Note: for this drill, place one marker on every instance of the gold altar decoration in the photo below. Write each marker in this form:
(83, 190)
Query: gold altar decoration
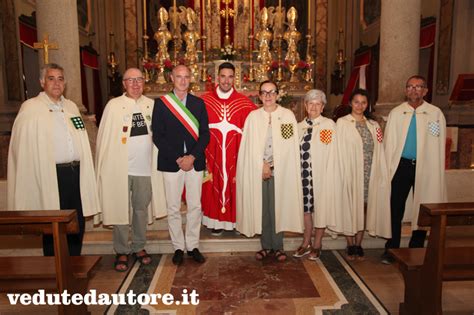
(308, 76)
(292, 37)
(46, 46)
(175, 31)
(163, 37)
(191, 37)
(227, 13)
(272, 33)
(264, 38)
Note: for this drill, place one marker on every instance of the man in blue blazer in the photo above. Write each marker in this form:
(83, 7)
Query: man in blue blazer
(181, 133)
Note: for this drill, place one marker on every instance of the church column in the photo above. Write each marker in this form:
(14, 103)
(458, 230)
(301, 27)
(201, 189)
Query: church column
(399, 50)
(58, 19)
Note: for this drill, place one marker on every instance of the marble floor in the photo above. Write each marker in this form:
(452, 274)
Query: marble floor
(234, 283)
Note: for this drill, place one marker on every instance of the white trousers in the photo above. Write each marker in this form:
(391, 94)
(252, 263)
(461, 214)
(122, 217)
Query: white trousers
(174, 183)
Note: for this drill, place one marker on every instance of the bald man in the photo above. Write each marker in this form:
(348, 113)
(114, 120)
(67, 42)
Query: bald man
(181, 133)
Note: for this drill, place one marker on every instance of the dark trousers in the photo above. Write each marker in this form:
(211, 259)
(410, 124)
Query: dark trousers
(269, 239)
(402, 183)
(69, 198)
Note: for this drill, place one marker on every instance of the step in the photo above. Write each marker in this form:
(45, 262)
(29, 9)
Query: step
(159, 242)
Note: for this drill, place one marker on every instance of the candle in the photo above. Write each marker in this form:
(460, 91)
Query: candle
(251, 18)
(175, 16)
(282, 17)
(202, 23)
(144, 17)
(309, 15)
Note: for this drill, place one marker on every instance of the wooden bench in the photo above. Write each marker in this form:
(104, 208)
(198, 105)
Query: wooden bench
(425, 269)
(53, 274)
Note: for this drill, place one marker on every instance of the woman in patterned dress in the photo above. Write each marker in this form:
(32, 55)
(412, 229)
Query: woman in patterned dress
(319, 174)
(364, 175)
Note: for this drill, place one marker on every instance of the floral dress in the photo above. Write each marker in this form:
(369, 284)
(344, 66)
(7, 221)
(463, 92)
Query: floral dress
(368, 149)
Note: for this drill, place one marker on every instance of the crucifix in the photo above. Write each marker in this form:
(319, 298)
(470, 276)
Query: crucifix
(226, 13)
(46, 46)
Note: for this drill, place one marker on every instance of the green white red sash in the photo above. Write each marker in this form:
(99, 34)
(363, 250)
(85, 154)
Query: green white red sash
(182, 114)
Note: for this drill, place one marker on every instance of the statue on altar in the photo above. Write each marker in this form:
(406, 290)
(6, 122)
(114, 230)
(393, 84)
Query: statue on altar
(191, 37)
(162, 37)
(278, 18)
(292, 37)
(264, 37)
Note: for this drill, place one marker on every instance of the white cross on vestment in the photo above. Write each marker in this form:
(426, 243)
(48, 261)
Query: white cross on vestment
(224, 126)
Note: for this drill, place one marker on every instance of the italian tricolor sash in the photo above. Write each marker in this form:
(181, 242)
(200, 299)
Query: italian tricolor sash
(182, 114)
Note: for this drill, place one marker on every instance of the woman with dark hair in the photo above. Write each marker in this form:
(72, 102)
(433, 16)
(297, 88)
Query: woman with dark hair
(364, 174)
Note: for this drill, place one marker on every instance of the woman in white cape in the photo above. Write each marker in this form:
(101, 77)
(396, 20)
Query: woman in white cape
(364, 174)
(319, 174)
(269, 195)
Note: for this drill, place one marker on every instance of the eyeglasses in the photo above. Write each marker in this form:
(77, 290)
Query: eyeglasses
(415, 87)
(133, 80)
(268, 93)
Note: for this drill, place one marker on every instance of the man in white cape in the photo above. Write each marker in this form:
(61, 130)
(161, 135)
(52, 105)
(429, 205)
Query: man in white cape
(49, 160)
(415, 139)
(126, 170)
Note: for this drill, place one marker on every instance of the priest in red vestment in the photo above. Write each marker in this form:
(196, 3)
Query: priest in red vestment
(227, 110)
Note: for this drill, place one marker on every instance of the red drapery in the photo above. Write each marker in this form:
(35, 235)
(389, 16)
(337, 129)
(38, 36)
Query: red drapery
(427, 40)
(27, 34)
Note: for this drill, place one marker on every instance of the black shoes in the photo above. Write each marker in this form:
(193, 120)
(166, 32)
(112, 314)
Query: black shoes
(217, 232)
(196, 255)
(178, 257)
(387, 259)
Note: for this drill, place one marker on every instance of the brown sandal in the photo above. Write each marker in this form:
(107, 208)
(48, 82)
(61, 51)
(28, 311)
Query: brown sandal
(262, 254)
(143, 257)
(314, 254)
(280, 256)
(120, 264)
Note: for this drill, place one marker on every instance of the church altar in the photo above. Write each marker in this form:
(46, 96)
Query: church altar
(263, 38)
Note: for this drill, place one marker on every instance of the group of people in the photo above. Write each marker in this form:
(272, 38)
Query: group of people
(255, 170)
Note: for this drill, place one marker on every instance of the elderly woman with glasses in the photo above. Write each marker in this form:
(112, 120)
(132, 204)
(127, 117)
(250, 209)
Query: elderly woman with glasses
(364, 173)
(269, 194)
(319, 174)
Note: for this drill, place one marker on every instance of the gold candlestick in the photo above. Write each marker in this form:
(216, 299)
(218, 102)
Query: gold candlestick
(340, 59)
(145, 35)
(309, 60)
(280, 70)
(309, 13)
(175, 50)
(227, 13)
(204, 66)
(251, 70)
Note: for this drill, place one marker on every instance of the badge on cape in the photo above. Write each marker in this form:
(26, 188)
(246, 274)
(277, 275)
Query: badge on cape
(434, 128)
(286, 130)
(325, 135)
(379, 134)
(78, 123)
